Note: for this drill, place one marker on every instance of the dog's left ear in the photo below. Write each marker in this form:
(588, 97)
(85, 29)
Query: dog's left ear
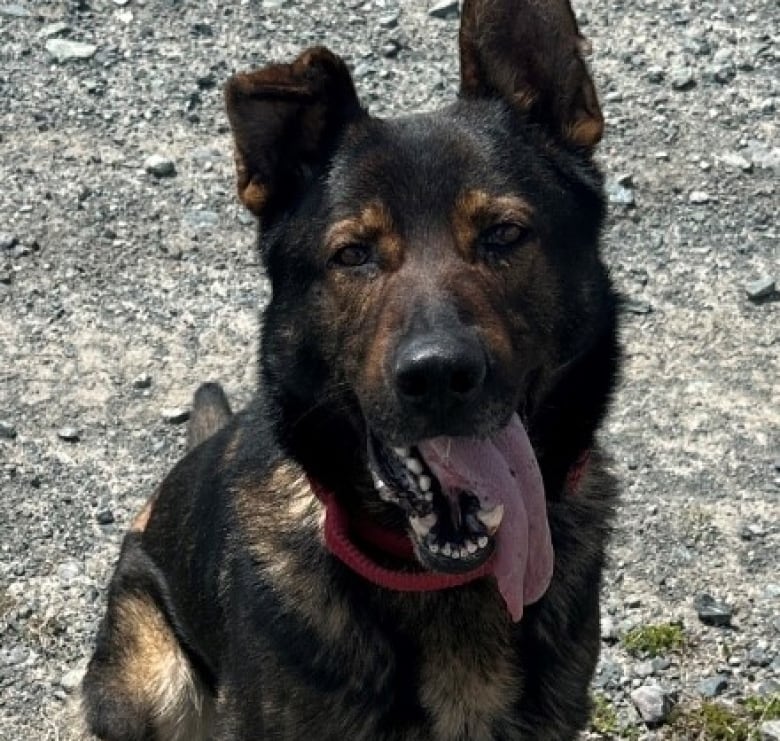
(286, 120)
(529, 52)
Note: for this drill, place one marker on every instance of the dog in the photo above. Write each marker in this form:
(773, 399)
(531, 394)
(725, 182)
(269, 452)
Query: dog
(402, 537)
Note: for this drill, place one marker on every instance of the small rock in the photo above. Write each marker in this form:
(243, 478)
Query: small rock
(14, 11)
(712, 611)
(770, 730)
(71, 681)
(760, 289)
(644, 669)
(52, 29)
(609, 631)
(737, 161)
(17, 655)
(175, 416)
(7, 430)
(104, 517)
(713, 686)
(7, 240)
(763, 156)
(655, 74)
(389, 20)
(653, 704)
(758, 656)
(201, 218)
(699, 197)
(69, 434)
(64, 50)
(142, 381)
(445, 9)
(636, 306)
(682, 79)
(619, 194)
(160, 166)
(68, 571)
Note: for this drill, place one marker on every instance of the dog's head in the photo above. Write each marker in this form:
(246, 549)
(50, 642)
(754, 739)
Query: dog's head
(435, 274)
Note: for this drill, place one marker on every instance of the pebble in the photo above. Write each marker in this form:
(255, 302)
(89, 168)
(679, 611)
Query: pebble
(175, 416)
(17, 655)
(699, 197)
(7, 240)
(760, 288)
(770, 730)
(445, 9)
(52, 29)
(69, 434)
(68, 571)
(737, 161)
(682, 79)
(758, 656)
(105, 517)
(64, 50)
(142, 381)
(160, 166)
(619, 194)
(653, 704)
(713, 686)
(201, 218)
(389, 20)
(14, 11)
(712, 611)
(7, 430)
(71, 681)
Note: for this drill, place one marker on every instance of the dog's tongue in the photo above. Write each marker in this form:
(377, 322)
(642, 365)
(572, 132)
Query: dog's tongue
(503, 470)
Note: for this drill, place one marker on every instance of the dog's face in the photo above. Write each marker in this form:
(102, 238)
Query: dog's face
(431, 274)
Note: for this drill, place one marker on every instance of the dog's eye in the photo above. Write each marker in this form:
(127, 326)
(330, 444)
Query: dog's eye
(351, 256)
(504, 236)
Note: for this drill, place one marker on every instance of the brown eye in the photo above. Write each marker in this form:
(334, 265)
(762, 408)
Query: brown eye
(352, 256)
(504, 236)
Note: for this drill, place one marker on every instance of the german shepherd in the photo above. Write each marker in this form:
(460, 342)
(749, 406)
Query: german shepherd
(402, 538)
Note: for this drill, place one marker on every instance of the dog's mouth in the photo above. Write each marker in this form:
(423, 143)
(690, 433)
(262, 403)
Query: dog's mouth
(468, 499)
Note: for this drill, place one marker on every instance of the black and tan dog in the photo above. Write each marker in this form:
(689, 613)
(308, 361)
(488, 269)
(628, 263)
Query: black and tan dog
(403, 537)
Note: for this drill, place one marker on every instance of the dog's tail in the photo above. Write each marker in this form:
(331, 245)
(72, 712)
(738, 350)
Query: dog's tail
(210, 412)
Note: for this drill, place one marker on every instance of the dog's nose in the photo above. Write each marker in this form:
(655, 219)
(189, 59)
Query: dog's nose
(439, 372)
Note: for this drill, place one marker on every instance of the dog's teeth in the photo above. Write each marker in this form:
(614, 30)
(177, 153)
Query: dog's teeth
(471, 546)
(414, 466)
(455, 553)
(433, 547)
(424, 482)
(482, 541)
(422, 525)
(491, 519)
(428, 496)
(446, 550)
(402, 452)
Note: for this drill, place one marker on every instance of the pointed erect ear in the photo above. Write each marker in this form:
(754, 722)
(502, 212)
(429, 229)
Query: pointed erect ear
(286, 121)
(529, 52)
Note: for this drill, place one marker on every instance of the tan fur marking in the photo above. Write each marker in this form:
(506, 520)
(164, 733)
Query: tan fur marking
(374, 225)
(142, 518)
(156, 674)
(232, 448)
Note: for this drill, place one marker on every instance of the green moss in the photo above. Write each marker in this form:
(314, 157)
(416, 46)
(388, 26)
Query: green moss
(654, 640)
(603, 718)
(763, 708)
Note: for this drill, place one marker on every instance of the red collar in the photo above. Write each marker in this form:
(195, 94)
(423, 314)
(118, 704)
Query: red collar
(339, 531)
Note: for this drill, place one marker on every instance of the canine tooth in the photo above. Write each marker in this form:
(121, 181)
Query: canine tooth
(446, 549)
(424, 482)
(433, 547)
(402, 452)
(414, 466)
(482, 541)
(471, 546)
(422, 525)
(491, 519)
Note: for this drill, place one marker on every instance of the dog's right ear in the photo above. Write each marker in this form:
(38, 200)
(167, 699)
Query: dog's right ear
(286, 120)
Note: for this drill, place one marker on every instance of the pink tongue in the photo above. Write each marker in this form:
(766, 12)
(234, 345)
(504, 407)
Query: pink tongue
(503, 470)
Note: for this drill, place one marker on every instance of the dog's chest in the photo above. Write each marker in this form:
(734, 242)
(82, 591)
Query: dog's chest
(469, 685)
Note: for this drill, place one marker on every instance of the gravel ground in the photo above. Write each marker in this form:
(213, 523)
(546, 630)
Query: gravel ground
(125, 281)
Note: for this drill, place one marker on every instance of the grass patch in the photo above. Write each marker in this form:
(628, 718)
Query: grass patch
(713, 721)
(603, 719)
(654, 640)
